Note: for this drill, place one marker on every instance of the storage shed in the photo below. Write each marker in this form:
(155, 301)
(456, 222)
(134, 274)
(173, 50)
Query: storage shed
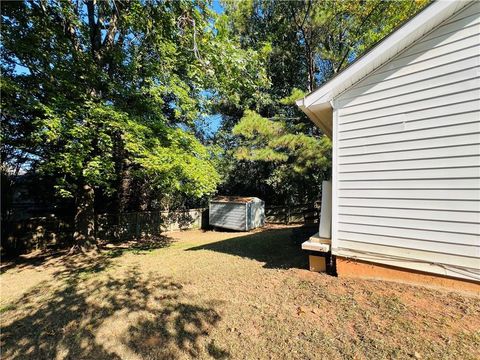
(405, 124)
(237, 213)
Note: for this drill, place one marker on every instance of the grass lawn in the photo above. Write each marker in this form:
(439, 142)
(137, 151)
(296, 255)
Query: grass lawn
(221, 295)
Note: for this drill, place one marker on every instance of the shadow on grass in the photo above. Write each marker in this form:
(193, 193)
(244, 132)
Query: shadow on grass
(28, 261)
(277, 248)
(138, 247)
(54, 258)
(85, 312)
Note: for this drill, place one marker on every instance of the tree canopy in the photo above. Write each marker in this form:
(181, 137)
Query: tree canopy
(310, 41)
(102, 93)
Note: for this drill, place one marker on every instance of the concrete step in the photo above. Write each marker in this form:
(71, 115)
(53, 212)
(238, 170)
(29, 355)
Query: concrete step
(317, 239)
(315, 246)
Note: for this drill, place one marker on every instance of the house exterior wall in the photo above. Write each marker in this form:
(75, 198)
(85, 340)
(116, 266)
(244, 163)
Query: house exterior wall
(406, 186)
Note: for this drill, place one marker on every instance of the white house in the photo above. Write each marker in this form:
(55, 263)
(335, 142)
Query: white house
(405, 124)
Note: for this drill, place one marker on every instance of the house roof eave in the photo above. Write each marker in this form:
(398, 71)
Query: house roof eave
(383, 51)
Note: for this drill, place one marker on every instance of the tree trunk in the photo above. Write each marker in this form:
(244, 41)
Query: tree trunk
(84, 235)
(311, 68)
(124, 186)
(122, 170)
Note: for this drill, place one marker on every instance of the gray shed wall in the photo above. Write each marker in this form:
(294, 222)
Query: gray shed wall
(257, 214)
(228, 215)
(237, 216)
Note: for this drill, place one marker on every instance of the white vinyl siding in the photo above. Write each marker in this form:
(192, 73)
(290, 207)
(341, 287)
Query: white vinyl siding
(407, 156)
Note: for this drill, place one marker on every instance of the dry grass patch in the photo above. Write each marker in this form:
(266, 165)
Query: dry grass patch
(218, 295)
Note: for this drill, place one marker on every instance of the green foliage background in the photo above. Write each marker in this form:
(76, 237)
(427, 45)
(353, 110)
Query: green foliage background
(272, 143)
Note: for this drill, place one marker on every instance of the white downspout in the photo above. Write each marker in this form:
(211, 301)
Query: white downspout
(325, 227)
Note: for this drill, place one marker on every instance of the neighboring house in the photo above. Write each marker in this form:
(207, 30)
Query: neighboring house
(405, 124)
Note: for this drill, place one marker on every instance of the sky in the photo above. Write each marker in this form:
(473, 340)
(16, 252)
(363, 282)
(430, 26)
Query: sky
(212, 122)
(217, 6)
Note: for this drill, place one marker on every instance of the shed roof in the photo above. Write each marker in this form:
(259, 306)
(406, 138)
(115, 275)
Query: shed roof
(317, 105)
(234, 199)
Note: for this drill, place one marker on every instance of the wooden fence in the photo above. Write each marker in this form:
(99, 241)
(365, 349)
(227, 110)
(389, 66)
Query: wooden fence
(35, 233)
(295, 214)
(41, 232)
(147, 224)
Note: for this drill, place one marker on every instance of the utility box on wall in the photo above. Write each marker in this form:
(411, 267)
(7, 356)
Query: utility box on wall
(237, 213)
